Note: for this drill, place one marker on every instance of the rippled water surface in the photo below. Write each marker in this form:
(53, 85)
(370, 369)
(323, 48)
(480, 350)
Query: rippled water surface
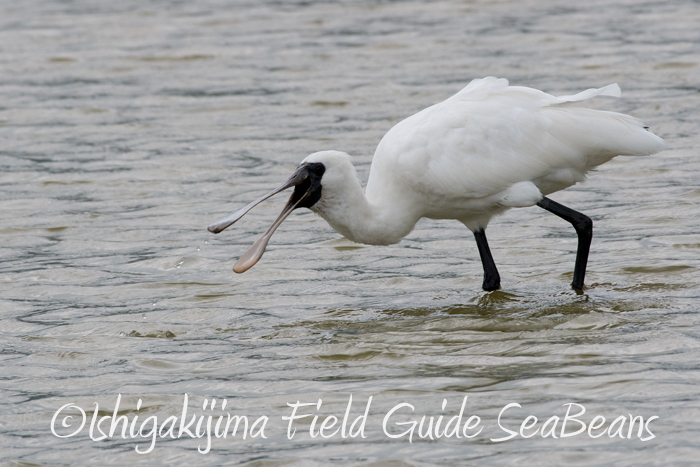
(128, 127)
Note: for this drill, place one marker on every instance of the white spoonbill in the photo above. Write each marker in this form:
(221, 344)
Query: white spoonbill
(488, 148)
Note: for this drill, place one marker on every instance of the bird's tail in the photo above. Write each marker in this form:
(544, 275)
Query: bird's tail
(602, 135)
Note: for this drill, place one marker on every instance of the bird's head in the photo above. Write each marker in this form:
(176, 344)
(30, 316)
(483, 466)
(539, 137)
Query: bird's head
(308, 179)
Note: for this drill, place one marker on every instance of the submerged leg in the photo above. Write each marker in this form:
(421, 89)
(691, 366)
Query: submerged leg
(584, 228)
(492, 281)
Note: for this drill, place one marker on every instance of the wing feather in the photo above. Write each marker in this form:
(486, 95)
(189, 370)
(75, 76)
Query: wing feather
(490, 136)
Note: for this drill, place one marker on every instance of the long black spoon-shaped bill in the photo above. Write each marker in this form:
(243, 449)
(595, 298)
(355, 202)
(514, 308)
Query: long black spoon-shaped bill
(255, 252)
(296, 179)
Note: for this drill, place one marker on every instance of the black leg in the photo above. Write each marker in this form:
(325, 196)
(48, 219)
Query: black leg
(492, 281)
(584, 228)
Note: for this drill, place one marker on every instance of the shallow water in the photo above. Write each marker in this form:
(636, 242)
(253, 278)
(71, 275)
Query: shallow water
(128, 127)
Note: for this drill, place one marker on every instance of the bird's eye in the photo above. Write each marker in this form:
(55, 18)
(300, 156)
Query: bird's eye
(317, 168)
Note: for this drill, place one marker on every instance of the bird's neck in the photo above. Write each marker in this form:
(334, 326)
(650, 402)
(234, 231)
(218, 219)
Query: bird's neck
(362, 220)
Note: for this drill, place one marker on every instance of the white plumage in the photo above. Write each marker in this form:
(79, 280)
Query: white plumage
(488, 148)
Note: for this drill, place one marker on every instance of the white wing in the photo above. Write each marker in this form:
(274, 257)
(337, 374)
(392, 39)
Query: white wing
(491, 136)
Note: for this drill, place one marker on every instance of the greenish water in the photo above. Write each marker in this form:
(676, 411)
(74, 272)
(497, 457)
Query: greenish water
(129, 127)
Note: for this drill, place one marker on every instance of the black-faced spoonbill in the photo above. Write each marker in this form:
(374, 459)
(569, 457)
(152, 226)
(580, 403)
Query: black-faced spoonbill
(488, 148)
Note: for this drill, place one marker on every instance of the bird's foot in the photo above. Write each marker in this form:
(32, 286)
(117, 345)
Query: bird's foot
(490, 285)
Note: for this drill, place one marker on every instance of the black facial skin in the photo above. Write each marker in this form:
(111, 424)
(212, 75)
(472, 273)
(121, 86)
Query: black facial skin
(310, 189)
